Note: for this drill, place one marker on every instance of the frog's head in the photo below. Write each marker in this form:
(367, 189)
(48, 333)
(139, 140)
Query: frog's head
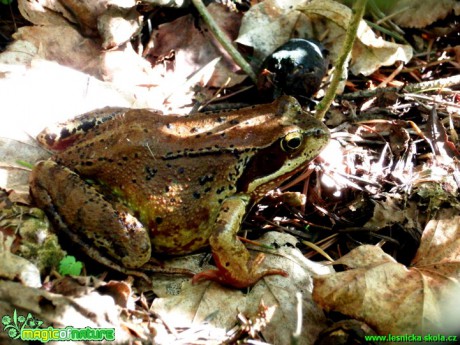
(299, 140)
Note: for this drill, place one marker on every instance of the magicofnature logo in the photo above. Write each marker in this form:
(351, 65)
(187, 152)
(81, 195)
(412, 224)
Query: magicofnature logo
(14, 324)
(28, 328)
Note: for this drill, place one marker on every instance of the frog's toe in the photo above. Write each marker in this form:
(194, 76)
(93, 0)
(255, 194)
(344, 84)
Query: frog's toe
(242, 281)
(206, 275)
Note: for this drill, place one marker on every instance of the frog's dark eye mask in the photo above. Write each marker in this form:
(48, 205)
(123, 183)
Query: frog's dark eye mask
(270, 159)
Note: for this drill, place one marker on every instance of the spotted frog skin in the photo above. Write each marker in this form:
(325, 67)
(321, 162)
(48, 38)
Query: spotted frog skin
(133, 182)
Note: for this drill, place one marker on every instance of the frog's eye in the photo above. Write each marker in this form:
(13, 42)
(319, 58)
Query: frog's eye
(291, 141)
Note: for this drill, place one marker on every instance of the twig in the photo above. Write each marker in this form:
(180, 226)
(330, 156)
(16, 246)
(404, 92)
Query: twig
(386, 31)
(358, 12)
(416, 87)
(223, 39)
(12, 17)
(430, 99)
(427, 64)
(391, 76)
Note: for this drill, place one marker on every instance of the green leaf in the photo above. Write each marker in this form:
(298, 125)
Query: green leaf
(69, 266)
(21, 162)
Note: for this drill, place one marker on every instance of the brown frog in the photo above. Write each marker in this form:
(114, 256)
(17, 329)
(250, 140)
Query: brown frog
(173, 184)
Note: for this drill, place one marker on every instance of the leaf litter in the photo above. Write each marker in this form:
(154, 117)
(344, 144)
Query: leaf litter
(391, 297)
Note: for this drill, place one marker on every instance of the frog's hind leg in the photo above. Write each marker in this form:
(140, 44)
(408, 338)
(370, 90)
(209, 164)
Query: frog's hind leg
(235, 267)
(90, 221)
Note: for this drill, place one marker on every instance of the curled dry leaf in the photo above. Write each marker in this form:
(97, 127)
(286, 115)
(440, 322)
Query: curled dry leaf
(369, 51)
(92, 32)
(391, 297)
(305, 19)
(78, 286)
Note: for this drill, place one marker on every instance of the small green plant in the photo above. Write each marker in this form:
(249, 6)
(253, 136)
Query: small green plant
(70, 266)
(6, 2)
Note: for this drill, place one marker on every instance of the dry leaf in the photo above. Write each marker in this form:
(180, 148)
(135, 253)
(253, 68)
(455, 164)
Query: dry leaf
(183, 47)
(419, 13)
(268, 25)
(117, 25)
(16, 268)
(323, 20)
(64, 45)
(220, 306)
(44, 12)
(394, 210)
(391, 297)
(84, 13)
(369, 51)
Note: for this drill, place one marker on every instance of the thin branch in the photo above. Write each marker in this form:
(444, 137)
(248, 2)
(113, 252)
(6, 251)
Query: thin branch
(223, 39)
(358, 12)
(412, 88)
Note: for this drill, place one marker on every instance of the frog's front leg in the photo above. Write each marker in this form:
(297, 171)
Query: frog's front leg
(102, 230)
(232, 259)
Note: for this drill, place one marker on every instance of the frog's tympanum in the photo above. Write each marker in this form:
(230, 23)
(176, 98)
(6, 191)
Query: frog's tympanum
(134, 182)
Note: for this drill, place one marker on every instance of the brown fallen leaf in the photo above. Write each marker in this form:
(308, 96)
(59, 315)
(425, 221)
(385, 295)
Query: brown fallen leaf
(117, 25)
(419, 13)
(83, 13)
(63, 44)
(391, 297)
(393, 209)
(184, 46)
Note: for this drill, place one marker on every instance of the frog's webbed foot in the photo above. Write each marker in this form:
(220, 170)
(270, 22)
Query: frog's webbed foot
(235, 267)
(244, 278)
